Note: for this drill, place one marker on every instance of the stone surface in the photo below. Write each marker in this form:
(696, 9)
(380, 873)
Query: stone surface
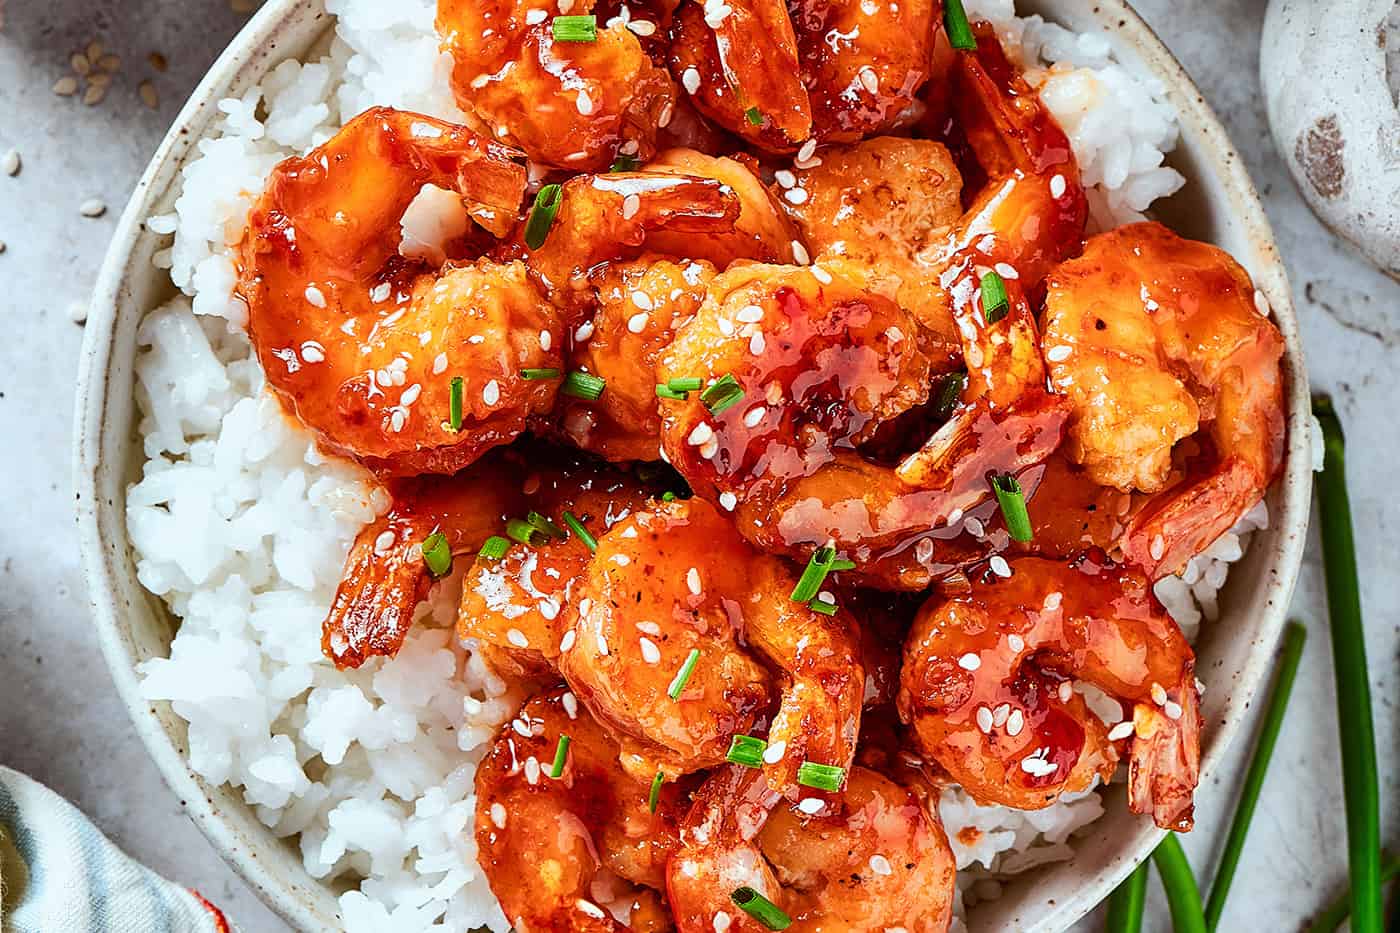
(60, 719)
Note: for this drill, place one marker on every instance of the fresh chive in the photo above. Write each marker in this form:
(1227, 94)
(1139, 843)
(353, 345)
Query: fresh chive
(542, 213)
(822, 562)
(575, 28)
(625, 163)
(545, 526)
(437, 554)
(683, 675)
(1337, 911)
(746, 750)
(454, 411)
(754, 116)
(533, 374)
(949, 393)
(517, 529)
(1126, 902)
(654, 797)
(583, 385)
(994, 301)
(577, 528)
(561, 754)
(721, 394)
(670, 394)
(842, 563)
(1293, 637)
(959, 29)
(822, 777)
(1012, 500)
(760, 908)
(668, 496)
(825, 606)
(1183, 897)
(494, 548)
(1359, 781)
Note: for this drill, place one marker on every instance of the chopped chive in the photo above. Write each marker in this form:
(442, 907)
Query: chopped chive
(518, 529)
(822, 562)
(561, 754)
(1183, 897)
(1013, 506)
(667, 392)
(722, 394)
(668, 496)
(625, 163)
(959, 29)
(760, 908)
(685, 383)
(454, 411)
(754, 116)
(1360, 785)
(575, 28)
(542, 215)
(841, 563)
(825, 607)
(437, 554)
(822, 777)
(995, 304)
(949, 393)
(545, 526)
(494, 548)
(1293, 637)
(683, 675)
(746, 750)
(533, 374)
(1337, 911)
(654, 797)
(1126, 903)
(577, 528)
(583, 385)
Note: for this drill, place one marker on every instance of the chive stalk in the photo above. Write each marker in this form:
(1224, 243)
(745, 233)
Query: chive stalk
(561, 755)
(654, 797)
(575, 28)
(683, 675)
(746, 750)
(454, 410)
(494, 548)
(995, 303)
(1183, 897)
(583, 385)
(542, 215)
(1337, 911)
(577, 528)
(1126, 903)
(822, 777)
(437, 554)
(761, 908)
(1012, 500)
(959, 29)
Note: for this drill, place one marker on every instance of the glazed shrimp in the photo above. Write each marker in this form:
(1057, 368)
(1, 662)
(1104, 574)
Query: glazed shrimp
(385, 576)
(546, 843)
(360, 343)
(517, 608)
(778, 74)
(1152, 338)
(988, 687)
(575, 105)
(873, 859)
(822, 364)
(676, 580)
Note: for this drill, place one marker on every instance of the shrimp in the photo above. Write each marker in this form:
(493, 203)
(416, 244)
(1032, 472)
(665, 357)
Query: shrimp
(874, 859)
(362, 344)
(778, 74)
(822, 364)
(575, 105)
(1153, 338)
(518, 607)
(385, 575)
(546, 844)
(674, 589)
(989, 687)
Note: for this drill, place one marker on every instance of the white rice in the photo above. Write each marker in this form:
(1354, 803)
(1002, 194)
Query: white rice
(242, 527)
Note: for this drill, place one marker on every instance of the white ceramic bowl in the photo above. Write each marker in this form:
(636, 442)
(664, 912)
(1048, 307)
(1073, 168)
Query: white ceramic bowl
(1219, 204)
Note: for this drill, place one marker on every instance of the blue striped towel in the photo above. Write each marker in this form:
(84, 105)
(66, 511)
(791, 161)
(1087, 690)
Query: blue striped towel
(58, 874)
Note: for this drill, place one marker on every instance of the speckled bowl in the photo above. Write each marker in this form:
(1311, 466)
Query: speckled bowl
(1219, 204)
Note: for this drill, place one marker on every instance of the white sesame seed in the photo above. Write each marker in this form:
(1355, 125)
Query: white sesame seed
(637, 322)
(721, 921)
(1016, 643)
(650, 653)
(701, 433)
(592, 909)
(602, 644)
(1261, 304)
(824, 277)
(532, 770)
(692, 581)
(785, 178)
(630, 205)
(498, 815)
(1058, 186)
(384, 541)
(690, 79)
(999, 566)
(974, 526)
(796, 195)
(728, 500)
(1120, 731)
(1158, 547)
(410, 395)
(491, 394)
(546, 340)
(380, 292)
(1066, 691)
(807, 150)
(585, 330)
(757, 343)
(642, 300)
(398, 417)
(754, 415)
(984, 720)
(709, 448)
(583, 102)
(725, 326)
(313, 352)
(10, 164)
(1015, 722)
(774, 752)
(92, 207)
(517, 638)
(969, 662)
(642, 28)
(567, 641)
(1052, 602)
(880, 865)
(535, 17)
(1159, 695)
(1059, 354)
(440, 364)
(868, 79)
(810, 805)
(1172, 709)
(650, 628)
(1000, 714)
(800, 254)
(749, 314)
(315, 297)
(1007, 271)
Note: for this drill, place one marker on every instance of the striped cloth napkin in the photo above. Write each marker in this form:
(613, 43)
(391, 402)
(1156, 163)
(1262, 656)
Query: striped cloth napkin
(58, 874)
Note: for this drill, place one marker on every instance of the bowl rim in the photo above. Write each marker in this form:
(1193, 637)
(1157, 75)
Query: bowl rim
(255, 47)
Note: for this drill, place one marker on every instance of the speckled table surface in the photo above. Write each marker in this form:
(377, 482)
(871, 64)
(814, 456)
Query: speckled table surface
(60, 719)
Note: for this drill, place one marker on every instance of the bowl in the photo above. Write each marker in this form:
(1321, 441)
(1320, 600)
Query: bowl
(1218, 204)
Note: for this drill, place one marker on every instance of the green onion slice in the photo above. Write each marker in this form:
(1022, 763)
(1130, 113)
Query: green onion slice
(959, 29)
(534, 374)
(995, 304)
(822, 562)
(577, 528)
(517, 529)
(683, 675)
(575, 28)
(679, 389)
(822, 777)
(583, 385)
(561, 754)
(437, 554)
(825, 607)
(949, 394)
(668, 496)
(654, 797)
(1013, 506)
(542, 211)
(754, 116)
(454, 412)
(545, 526)
(746, 750)
(722, 394)
(667, 392)
(625, 163)
(760, 908)
(494, 548)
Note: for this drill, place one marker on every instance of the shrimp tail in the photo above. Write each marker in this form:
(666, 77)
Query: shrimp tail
(374, 603)
(1182, 523)
(974, 442)
(1165, 762)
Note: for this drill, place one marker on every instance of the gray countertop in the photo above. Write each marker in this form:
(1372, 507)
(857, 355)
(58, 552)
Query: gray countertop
(60, 718)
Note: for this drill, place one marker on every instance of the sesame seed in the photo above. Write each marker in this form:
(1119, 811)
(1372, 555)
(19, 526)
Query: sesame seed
(491, 394)
(749, 314)
(709, 448)
(1052, 602)
(690, 79)
(380, 292)
(1172, 709)
(810, 805)
(868, 79)
(642, 300)
(824, 277)
(800, 254)
(969, 662)
(315, 297)
(567, 641)
(1159, 695)
(700, 434)
(1000, 714)
(1059, 353)
(585, 330)
(602, 644)
(312, 352)
(92, 207)
(650, 653)
(1016, 643)
(532, 770)
(774, 752)
(728, 500)
(637, 322)
(592, 909)
(757, 343)
(807, 150)
(984, 720)
(517, 638)
(1120, 731)
(999, 566)
(10, 164)
(546, 340)
(692, 581)
(535, 17)
(384, 541)
(440, 364)
(721, 921)
(1058, 186)
(583, 102)
(1007, 271)
(66, 86)
(754, 415)
(880, 865)
(974, 526)
(1015, 722)
(410, 395)
(725, 326)
(785, 178)
(650, 628)
(498, 815)
(642, 28)
(397, 419)
(1261, 304)
(1066, 691)
(630, 205)
(1158, 547)
(796, 195)
(923, 551)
